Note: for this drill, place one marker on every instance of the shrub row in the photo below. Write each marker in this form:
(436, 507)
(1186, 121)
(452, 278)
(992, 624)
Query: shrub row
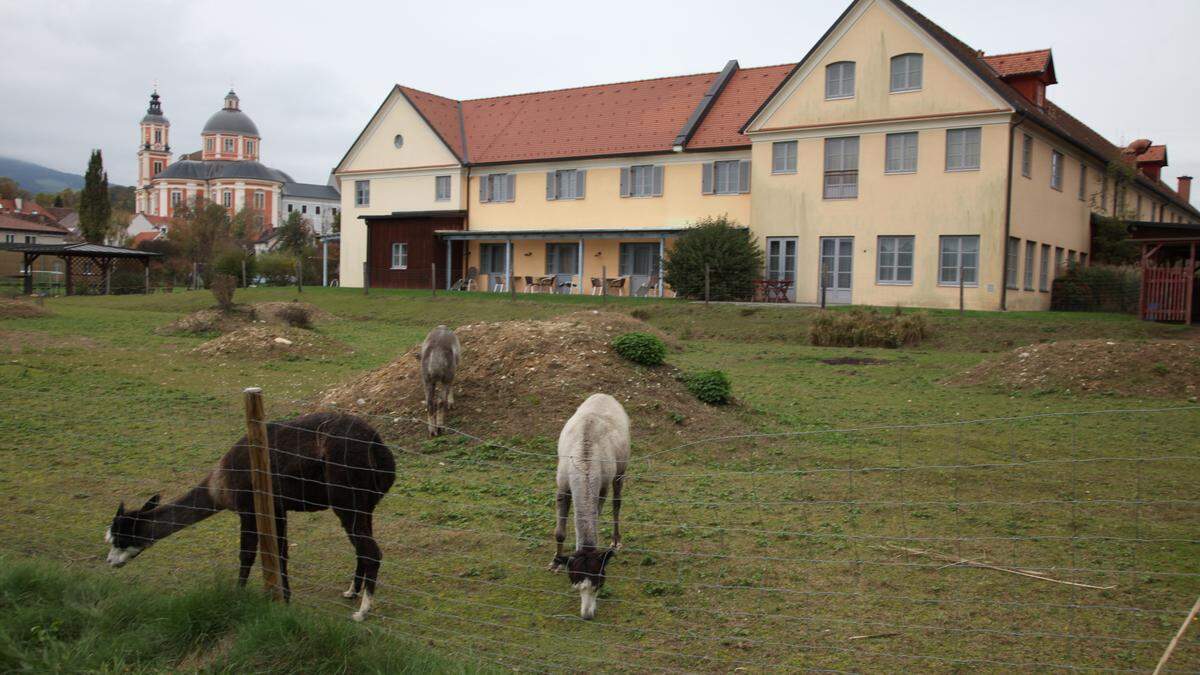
(868, 328)
(1099, 288)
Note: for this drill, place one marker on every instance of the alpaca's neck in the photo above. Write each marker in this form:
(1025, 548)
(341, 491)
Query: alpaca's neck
(585, 491)
(189, 509)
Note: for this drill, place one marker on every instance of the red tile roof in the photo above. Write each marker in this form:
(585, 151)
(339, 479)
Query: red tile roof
(1019, 63)
(157, 220)
(142, 237)
(642, 116)
(12, 223)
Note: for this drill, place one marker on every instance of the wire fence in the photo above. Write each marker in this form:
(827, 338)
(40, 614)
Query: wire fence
(1055, 541)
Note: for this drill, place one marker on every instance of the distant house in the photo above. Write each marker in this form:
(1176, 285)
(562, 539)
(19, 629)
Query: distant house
(318, 204)
(144, 223)
(14, 230)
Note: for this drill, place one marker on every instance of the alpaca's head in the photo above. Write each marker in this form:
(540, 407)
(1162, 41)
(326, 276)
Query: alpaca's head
(128, 535)
(585, 570)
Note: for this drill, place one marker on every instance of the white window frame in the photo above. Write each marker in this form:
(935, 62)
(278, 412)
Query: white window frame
(1044, 270)
(249, 147)
(362, 193)
(641, 180)
(962, 161)
(836, 80)
(227, 199)
(210, 144)
(840, 168)
(783, 156)
(566, 184)
(399, 255)
(1030, 254)
(1056, 170)
(728, 170)
(952, 280)
(230, 145)
(888, 258)
(31, 239)
(176, 198)
(908, 78)
(260, 199)
(901, 166)
(441, 188)
(1012, 263)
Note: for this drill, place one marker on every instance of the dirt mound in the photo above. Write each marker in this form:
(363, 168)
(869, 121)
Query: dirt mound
(272, 342)
(19, 309)
(214, 321)
(525, 378)
(1152, 368)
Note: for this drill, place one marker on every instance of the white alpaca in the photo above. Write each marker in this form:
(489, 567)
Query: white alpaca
(593, 451)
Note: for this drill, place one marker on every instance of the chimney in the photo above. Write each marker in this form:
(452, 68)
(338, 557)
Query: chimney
(1185, 188)
(18, 202)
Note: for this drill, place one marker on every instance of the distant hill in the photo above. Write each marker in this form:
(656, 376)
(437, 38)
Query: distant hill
(37, 178)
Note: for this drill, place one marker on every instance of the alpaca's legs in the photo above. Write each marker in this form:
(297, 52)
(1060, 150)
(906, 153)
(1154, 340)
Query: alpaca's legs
(356, 582)
(449, 395)
(359, 527)
(563, 505)
(281, 537)
(249, 547)
(431, 407)
(618, 482)
(443, 406)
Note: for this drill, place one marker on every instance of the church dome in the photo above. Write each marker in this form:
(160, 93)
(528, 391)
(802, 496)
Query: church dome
(230, 120)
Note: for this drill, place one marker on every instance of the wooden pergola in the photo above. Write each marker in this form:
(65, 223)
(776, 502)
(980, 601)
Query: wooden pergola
(1169, 264)
(100, 255)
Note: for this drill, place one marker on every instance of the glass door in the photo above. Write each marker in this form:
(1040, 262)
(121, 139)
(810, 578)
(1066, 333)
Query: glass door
(781, 262)
(562, 262)
(837, 267)
(639, 262)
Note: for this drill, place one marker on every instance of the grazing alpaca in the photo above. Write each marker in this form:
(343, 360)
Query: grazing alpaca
(320, 461)
(593, 450)
(439, 360)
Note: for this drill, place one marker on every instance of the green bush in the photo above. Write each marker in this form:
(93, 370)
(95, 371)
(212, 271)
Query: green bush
(222, 287)
(734, 259)
(868, 328)
(642, 348)
(276, 269)
(230, 263)
(710, 386)
(1099, 288)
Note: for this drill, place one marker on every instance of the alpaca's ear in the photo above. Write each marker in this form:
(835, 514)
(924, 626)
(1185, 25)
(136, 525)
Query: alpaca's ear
(151, 503)
(120, 509)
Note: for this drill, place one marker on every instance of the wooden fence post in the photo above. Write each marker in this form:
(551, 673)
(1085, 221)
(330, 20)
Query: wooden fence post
(707, 274)
(961, 303)
(366, 278)
(264, 497)
(603, 284)
(300, 274)
(244, 284)
(433, 280)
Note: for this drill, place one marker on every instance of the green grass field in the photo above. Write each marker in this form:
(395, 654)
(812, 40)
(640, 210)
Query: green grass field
(775, 551)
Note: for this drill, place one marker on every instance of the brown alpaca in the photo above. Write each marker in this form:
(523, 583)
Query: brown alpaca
(320, 461)
(439, 359)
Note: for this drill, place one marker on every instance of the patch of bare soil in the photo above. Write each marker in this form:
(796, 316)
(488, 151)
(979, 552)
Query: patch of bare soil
(272, 342)
(11, 308)
(855, 361)
(525, 378)
(216, 321)
(1151, 368)
(22, 341)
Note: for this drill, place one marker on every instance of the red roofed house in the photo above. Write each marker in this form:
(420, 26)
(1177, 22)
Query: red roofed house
(893, 164)
(15, 230)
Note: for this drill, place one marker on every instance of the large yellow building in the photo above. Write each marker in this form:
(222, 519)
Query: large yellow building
(892, 165)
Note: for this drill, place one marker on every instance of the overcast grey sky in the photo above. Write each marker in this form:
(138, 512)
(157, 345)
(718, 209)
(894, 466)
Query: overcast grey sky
(76, 75)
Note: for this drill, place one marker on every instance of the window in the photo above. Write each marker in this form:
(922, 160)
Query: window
(839, 80)
(1011, 262)
(227, 199)
(399, 256)
(1058, 260)
(441, 188)
(260, 199)
(1082, 180)
(491, 258)
(841, 168)
(566, 184)
(643, 180)
(318, 210)
(362, 193)
(1071, 258)
(290, 207)
(895, 260)
(901, 153)
(157, 168)
(960, 252)
(304, 208)
(725, 177)
(1030, 252)
(209, 145)
(906, 72)
(229, 145)
(1082, 259)
(176, 198)
(158, 135)
(1056, 167)
(497, 187)
(1027, 156)
(962, 149)
(783, 157)
(10, 238)
(30, 239)
(1044, 270)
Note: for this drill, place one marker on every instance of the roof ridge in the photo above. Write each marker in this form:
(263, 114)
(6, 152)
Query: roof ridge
(1028, 51)
(428, 93)
(589, 86)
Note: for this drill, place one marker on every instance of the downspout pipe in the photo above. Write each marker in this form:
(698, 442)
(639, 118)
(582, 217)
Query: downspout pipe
(1008, 190)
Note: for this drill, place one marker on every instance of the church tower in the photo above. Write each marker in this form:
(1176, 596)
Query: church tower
(154, 152)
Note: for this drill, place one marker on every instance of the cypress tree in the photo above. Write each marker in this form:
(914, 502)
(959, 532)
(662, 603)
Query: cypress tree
(94, 207)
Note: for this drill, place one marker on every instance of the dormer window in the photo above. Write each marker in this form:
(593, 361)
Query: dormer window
(249, 147)
(230, 145)
(209, 145)
(906, 72)
(839, 80)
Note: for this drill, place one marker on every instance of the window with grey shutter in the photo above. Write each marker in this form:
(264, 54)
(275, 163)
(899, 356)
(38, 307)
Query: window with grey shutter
(901, 153)
(895, 260)
(959, 253)
(551, 186)
(441, 188)
(726, 177)
(485, 189)
(657, 188)
(1011, 261)
(1056, 167)
(962, 149)
(906, 72)
(1027, 156)
(783, 156)
(706, 178)
(841, 168)
(510, 187)
(566, 184)
(744, 176)
(839, 80)
(580, 183)
(641, 180)
(1044, 269)
(625, 189)
(1030, 252)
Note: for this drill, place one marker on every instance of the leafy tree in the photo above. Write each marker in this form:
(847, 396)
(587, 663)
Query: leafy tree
(729, 250)
(294, 234)
(10, 189)
(245, 227)
(121, 197)
(1110, 236)
(201, 230)
(94, 207)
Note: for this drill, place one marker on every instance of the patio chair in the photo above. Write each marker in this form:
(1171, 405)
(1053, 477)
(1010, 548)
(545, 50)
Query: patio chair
(545, 284)
(498, 282)
(529, 284)
(597, 288)
(651, 285)
(617, 285)
(466, 283)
